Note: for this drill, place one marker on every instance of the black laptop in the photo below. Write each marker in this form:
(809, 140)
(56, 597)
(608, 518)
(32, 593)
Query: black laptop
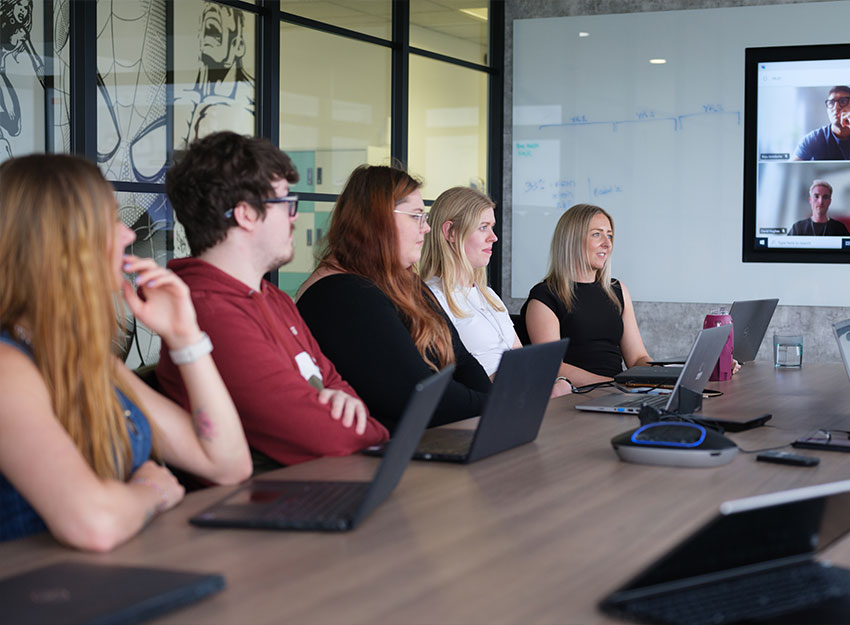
(513, 412)
(330, 506)
(86, 594)
(750, 319)
(753, 562)
(662, 376)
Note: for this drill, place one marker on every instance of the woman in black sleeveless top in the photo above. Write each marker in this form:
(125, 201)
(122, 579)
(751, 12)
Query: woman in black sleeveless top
(579, 299)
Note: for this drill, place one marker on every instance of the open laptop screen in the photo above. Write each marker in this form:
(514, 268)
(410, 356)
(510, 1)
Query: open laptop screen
(754, 531)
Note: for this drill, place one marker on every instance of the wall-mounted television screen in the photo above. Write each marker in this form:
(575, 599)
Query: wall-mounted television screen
(797, 154)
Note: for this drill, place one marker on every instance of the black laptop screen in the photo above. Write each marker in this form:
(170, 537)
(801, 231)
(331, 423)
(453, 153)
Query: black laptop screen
(752, 537)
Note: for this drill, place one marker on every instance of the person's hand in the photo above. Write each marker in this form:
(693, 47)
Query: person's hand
(349, 409)
(561, 387)
(162, 302)
(736, 366)
(844, 119)
(162, 481)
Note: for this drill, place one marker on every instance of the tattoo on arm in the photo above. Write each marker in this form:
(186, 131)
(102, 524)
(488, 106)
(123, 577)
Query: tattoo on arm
(204, 426)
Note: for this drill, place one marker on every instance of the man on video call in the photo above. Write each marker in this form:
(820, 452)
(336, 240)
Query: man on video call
(830, 142)
(820, 197)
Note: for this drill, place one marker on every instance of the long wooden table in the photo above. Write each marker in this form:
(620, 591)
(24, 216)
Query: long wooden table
(537, 534)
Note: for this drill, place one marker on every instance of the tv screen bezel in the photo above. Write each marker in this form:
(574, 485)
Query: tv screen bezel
(754, 56)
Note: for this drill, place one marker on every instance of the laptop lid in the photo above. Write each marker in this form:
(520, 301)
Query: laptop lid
(518, 399)
(692, 375)
(420, 407)
(255, 505)
(750, 319)
(82, 593)
(747, 535)
(841, 330)
(700, 363)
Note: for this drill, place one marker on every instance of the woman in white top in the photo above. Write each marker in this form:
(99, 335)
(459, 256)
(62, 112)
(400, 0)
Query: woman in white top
(454, 263)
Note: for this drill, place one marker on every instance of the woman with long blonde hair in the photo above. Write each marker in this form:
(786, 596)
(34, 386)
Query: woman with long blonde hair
(77, 428)
(454, 266)
(371, 313)
(579, 299)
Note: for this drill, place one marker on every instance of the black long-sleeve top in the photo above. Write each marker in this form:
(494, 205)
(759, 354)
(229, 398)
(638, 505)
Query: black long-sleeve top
(366, 337)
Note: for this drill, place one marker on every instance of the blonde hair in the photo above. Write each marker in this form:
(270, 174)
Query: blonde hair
(568, 255)
(57, 216)
(463, 207)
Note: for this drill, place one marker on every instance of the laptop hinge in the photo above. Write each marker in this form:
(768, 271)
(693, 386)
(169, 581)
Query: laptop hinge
(689, 401)
(718, 576)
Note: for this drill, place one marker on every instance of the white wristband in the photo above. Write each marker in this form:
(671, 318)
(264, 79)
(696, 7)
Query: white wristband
(191, 353)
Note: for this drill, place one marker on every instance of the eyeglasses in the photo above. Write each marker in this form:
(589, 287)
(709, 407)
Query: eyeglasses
(422, 218)
(292, 200)
(842, 102)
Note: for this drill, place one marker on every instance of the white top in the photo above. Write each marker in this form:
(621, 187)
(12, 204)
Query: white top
(486, 332)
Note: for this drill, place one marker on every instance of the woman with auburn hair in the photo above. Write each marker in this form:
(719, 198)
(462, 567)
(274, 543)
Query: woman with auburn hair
(454, 266)
(371, 313)
(579, 299)
(77, 428)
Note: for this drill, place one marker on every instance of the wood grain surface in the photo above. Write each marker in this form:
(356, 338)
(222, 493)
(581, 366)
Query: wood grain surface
(538, 534)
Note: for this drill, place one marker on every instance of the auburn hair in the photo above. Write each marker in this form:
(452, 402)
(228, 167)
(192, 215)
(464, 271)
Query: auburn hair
(57, 218)
(362, 239)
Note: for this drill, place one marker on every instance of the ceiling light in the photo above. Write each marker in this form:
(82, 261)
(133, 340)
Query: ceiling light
(658, 61)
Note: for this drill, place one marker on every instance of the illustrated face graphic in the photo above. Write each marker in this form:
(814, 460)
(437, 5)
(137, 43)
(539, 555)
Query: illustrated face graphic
(221, 36)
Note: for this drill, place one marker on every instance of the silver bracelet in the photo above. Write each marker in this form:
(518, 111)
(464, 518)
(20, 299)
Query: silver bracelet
(191, 353)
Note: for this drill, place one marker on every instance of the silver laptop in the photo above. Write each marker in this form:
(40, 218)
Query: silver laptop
(692, 378)
(750, 319)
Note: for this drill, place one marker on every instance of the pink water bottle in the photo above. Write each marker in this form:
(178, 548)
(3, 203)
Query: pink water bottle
(723, 368)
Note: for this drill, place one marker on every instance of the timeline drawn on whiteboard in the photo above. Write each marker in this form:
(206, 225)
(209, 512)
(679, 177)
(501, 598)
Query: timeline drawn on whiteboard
(644, 116)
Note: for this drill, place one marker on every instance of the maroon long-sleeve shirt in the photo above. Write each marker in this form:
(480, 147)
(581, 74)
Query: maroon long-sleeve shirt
(256, 336)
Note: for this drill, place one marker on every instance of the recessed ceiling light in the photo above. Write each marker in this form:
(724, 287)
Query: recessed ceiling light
(479, 14)
(658, 61)
(583, 34)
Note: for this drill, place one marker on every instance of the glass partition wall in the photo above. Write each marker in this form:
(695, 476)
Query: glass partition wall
(338, 83)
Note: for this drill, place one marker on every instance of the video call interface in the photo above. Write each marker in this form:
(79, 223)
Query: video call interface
(803, 155)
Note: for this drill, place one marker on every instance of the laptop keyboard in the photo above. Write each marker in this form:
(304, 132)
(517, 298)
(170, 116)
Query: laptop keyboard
(757, 596)
(656, 401)
(318, 503)
(446, 442)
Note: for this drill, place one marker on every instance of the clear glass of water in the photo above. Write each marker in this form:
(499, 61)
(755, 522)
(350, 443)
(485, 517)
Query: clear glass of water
(787, 351)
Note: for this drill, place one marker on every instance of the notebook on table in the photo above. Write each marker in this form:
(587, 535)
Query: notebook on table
(753, 562)
(513, 412)
(323, 505)
(690, 378)
(79, 593)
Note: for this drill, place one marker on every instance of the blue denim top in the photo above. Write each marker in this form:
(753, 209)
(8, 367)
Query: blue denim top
(17, 516)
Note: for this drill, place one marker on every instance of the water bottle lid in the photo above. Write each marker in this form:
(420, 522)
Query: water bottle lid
(720, 310)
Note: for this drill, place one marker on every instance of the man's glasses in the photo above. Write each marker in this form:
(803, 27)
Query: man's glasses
(842, 102)
(292, 200)
(422, 218)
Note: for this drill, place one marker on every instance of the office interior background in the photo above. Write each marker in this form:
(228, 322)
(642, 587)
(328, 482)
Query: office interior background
(421, 83)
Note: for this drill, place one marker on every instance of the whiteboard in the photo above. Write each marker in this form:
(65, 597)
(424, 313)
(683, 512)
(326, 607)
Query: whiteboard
(660, 147)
